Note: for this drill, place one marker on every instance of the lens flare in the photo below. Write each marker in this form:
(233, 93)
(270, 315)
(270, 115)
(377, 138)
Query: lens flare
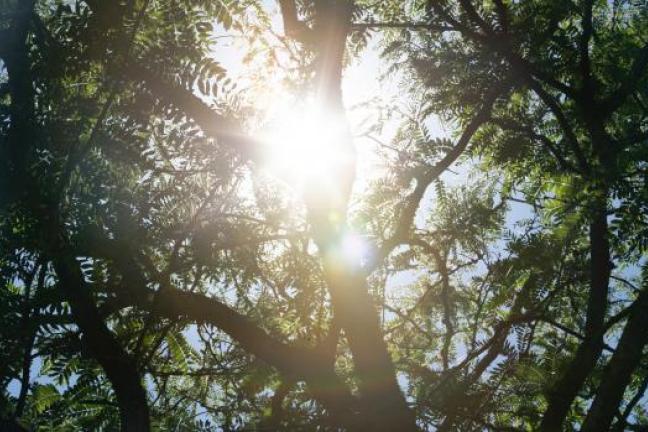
(305, 145)
(354, 248)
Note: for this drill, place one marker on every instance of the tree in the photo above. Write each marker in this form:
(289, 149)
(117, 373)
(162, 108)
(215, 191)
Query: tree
(158, 275)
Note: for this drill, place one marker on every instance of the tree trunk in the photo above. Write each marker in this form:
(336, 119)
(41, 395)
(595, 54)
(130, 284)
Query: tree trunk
(566, 388)
(383, 403)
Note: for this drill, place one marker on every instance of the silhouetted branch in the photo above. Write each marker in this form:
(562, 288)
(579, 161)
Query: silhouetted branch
(566, 127)
(619, 370)
(475, 17)
(169, 302)
(623, 417)
(30, 336)
(502, 46)
(119, 367)
(426, 177)
(212, 124)
(293, 27)
(512, 125)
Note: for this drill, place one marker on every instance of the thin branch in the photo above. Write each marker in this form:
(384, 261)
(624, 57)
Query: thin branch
(619, 317)
(424, 179)
(560, 116)
(76, 156)
(30, 337)
(497, 44)
(511, 125)
(625, 282)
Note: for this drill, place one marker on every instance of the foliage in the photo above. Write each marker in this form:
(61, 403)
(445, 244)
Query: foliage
(146, 250)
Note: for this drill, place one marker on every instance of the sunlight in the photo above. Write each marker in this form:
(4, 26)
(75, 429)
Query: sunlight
(355, 248)
(305, 145)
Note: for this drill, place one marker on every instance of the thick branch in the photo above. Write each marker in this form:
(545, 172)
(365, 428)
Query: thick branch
(293, 27)
(104, 347)
(402, 25)
(619, 370)
(11, 425)
(383, 403)
(212, 124)
(474, 16)
(639, 394)
(169, 302)
(293, 362)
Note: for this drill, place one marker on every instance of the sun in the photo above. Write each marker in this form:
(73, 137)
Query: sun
(305, 144)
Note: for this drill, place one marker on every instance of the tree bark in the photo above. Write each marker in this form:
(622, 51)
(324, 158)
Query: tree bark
(293, 362)
(383, 403)
(15, 151)
(566, 388)
(618, 372)
(119, 367)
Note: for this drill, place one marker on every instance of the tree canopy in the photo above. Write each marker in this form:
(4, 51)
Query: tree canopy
(198, 234)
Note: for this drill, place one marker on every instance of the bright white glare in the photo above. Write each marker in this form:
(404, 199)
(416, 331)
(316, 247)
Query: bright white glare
(355, 248)
(306, 145)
